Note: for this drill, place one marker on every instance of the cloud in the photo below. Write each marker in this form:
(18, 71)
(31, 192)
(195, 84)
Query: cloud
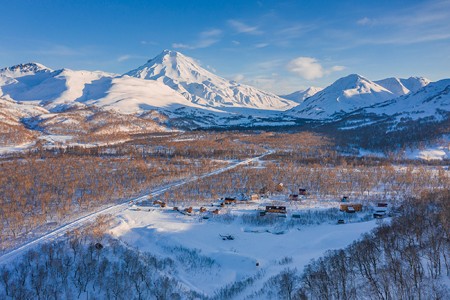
(123, 58)
(211, 68)
(309, 68)
(241, 27)
(261, 45)
(238, 77)
(144, 42)
(211, 33)
(206, 38)
(269, 64)
(336, 69)
(421, 23)
(364, 21)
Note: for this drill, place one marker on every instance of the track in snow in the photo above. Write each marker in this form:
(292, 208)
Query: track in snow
(61, 231)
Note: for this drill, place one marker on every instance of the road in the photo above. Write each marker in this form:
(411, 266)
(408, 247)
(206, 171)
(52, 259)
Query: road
(114, 209)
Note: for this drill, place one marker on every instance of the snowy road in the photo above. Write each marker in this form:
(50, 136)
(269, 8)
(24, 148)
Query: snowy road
(115, 209)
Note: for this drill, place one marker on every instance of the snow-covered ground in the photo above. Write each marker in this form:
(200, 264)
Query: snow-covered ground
(168, 233)
(114, 209)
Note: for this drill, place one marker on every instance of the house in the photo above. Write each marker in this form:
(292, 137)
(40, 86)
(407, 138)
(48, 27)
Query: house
(279, 187)
(302, 192)
(216, 211)
(254, 197)
(379, 215)
(160, 203)
(276, 209)
(188, 210)
(293, 197)
(350, 208)
(202, 209)
(229, 200)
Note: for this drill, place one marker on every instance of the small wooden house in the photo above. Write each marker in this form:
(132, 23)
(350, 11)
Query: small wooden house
(276, 209)
(160, 203)
(254, 197)
(293, 197)
(216, 211)
(350, 208)
(229, 200)
(279, 187)
(188, 210)
(202, 209)
(302, 192)
(379, 215)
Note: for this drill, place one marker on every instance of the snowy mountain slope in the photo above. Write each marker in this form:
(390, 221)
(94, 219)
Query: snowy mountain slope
(431, 101)
(400, 86)
(413, 84)
(63, 89)
(344, 95)
(200, 86)
(54, 90)
(12, 129)
(300, 96)
(128, 95)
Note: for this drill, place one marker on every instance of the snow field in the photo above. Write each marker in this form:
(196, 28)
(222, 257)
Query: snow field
(166, 233)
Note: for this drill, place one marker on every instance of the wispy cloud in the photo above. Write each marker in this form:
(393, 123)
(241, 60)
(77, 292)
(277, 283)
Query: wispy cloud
(309, 68)
(269, 64)
(127, 57)
(123, 58)
(144, 42)
(261, 45)
(238, 77)
(241, 27)
(364, 21)
(205, 39)
(425, 22)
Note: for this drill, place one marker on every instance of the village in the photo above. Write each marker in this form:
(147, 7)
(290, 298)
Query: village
(279, 205)
(244, 236)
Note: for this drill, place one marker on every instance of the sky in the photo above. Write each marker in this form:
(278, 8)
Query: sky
(279, 46)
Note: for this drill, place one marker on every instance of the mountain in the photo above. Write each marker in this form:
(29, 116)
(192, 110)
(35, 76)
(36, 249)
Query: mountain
(431, 102)
(400, 86)
(23, 70)
(300, 96)
(65, 89)
(202, 87)
(344, 95)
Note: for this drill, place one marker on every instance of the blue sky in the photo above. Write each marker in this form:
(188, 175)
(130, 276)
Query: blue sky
(280, 46)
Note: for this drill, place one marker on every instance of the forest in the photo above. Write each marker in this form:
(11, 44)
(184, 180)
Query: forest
(45, 187)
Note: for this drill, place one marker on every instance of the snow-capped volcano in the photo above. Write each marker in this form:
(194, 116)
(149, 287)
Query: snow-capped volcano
(301, 95)
(401, 86)
(344, 95)
(202, 87)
